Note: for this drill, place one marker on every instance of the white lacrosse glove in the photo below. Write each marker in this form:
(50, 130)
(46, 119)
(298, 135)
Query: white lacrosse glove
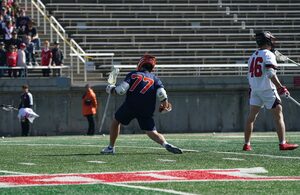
(109, 88)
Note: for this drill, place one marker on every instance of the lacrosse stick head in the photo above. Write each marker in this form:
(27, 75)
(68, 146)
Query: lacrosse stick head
(280, 57)
(112, 77)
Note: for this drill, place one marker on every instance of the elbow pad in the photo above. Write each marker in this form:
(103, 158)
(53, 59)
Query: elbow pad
(122, 88)
(161, 94)
(270, 72)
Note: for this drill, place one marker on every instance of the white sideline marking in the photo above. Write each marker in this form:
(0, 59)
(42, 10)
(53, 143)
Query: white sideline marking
(95, 161)
(29, 164)
(262, 155)
(151, 189)
(236, 159)
(166, 160)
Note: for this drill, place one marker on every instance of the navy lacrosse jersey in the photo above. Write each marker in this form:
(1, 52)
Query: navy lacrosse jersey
(141, 95)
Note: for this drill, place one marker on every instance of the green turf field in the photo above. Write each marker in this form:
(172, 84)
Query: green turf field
(80, 154)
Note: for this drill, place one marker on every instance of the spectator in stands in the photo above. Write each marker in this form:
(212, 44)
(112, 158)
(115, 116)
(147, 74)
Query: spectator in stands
(2, 58)
(26, 102)
(89, 108)
(30, 51)
(7, 31)
(46, 58)
(11, 60)
(5, 15)
(15, 9)
(14, 41)
(23, 20)
(57, 57)
(22, 60)
(31, 31)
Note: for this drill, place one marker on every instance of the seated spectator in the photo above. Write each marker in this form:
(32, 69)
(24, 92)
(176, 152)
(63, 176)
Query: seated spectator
(7, 31)
(2, 58)
(46, 56)
(11, 60)
(30, 51)
(14, 40)
(22, 60)
(31, 31)
(57, 57)
(22, 20)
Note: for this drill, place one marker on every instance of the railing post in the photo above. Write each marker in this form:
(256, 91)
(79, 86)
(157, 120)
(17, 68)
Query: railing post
(38, 19)
(32, 15)
(65, 45)
(26, 4)
(45, 27)
(85, 73)
(71, 61)
(51, 31)
(78, 68)
(57, 36)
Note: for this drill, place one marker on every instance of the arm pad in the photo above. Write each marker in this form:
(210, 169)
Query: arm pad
(122, 88)
(161, 94)
(270, 72)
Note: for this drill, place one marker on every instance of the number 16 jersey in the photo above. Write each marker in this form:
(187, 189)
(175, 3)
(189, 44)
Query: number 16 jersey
(258, 64)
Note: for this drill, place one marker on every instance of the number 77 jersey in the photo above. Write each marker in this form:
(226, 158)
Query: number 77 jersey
(258, 64)
(141, 94)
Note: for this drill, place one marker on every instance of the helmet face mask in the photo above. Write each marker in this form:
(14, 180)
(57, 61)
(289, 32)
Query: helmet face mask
(265, 38)
(147, 62)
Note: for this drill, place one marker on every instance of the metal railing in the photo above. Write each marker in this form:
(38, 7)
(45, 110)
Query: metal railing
(56, 28)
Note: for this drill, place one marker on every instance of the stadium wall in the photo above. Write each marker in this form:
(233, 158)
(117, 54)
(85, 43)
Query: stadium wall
(203, 104)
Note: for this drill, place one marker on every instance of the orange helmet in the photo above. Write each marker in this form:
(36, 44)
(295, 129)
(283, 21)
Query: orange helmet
(146, 60)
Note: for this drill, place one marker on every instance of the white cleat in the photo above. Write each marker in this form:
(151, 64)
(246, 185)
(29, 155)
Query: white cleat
(108, 150)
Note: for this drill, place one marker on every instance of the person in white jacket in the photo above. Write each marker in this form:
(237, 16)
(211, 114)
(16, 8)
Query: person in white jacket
(22, 60)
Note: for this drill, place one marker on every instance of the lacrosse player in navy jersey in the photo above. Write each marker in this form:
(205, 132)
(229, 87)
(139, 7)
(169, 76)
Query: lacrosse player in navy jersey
(141, 88)
(265, 89)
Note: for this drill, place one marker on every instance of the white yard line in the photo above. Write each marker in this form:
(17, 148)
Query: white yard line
(96, 161)
(150, 189)
(235, 159)
(25, 163)
(16, 173)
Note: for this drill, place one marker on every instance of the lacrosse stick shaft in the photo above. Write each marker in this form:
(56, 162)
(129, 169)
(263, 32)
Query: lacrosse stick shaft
(104, 113)
(293, 61)
(293, 100)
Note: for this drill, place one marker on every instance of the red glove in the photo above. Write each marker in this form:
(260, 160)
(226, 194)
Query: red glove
(283, 91)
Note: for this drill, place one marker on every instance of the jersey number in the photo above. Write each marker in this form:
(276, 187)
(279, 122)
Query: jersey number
(139, 78)
(255, 67)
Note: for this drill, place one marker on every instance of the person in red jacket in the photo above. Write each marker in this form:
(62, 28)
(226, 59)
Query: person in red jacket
(46, 58)
(89, 108)
(12, 58)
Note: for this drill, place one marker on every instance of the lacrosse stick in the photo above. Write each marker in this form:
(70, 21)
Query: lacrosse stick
(8, 108)
(112, 79)
(293, 100)
(281, 57)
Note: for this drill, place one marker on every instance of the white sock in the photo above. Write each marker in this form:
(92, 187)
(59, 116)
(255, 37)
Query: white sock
(283, 142)
(165, 143)
(247, 143)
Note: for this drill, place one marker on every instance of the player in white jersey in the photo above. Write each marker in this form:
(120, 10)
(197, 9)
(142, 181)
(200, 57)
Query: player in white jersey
(265, 89)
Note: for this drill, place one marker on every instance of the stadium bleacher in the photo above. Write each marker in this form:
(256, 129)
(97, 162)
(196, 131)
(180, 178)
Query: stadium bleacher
(178, 32)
